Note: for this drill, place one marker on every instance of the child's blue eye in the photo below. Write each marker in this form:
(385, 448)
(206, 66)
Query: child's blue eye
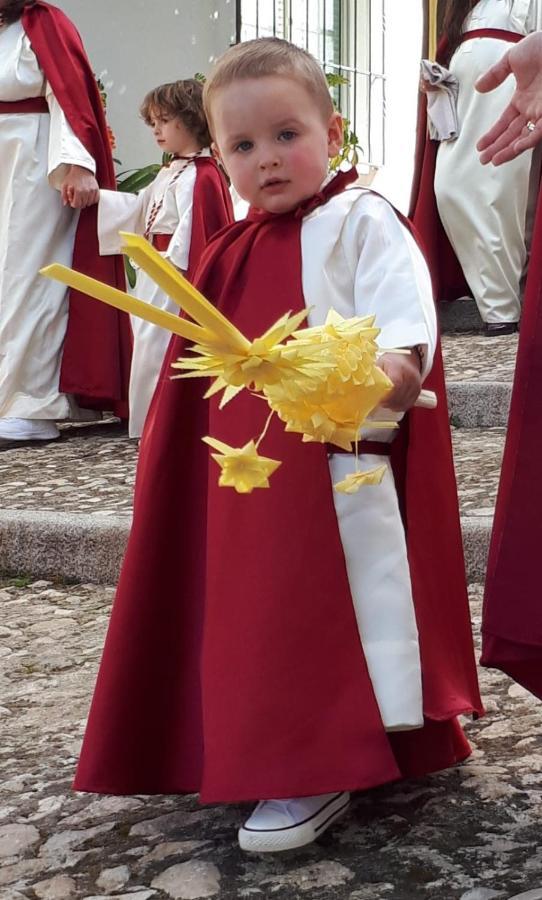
(287, 135)
(243, 146)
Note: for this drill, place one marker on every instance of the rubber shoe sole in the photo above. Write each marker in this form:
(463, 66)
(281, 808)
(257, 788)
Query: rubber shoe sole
(294, 836)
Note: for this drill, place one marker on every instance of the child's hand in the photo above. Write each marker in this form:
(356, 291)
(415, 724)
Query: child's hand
(404, 371)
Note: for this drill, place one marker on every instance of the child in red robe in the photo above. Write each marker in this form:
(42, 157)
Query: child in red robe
(293, 644)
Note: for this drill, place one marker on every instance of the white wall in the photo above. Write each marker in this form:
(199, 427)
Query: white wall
(403, 48)
(135, 45)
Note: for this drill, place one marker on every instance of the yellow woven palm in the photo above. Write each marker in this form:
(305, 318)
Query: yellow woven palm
(322, 382)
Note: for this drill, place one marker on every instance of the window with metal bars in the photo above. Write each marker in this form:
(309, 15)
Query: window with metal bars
(347, 36)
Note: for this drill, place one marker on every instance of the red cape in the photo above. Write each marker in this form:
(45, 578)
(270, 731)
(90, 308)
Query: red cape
(97, 347)
(446, 273)
(232, 664)
(512, 618)
(212, 209)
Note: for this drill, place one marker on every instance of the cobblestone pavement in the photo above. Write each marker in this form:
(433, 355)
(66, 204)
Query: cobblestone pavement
(473, 357)
(469, 833)
(477, 455)
(93, 472)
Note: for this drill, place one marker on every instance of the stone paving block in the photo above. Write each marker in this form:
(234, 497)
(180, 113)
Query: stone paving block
(62, 545)
(475, 404)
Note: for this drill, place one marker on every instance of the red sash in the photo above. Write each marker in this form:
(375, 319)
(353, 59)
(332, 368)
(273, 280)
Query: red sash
(499, 34)
(30, 105)
(232, 663)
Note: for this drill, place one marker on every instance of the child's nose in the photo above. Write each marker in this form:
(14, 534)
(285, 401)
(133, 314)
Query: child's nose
(269, 160)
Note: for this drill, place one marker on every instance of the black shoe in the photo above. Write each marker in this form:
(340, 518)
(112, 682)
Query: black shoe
(496, 329)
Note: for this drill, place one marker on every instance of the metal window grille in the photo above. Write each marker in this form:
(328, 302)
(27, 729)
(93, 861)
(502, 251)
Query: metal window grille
(348, 37)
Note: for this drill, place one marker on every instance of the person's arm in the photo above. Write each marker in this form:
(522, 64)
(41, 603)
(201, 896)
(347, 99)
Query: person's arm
(511, 134)
(120, 211)
(392, 282)
(71, 170)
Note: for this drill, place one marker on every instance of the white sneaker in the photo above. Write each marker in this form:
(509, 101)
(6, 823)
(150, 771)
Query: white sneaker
(286, 824)
(28, 429)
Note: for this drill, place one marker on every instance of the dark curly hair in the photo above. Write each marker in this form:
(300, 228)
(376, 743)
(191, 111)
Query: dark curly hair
(455, 13)
(14, 10)
(182, 100)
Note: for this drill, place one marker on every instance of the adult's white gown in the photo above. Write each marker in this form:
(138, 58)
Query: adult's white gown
(35, 229)
(486, 211)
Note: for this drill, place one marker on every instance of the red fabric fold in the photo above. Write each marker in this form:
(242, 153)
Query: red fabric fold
(232, 663)
(97, 348)
(512, 615)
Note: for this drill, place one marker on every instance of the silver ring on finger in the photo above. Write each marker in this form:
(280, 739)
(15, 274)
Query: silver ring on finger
(530, 126)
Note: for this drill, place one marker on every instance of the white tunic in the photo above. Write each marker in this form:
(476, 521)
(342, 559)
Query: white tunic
(487, 211)
(130, 212)
(35, 229)
(358, 258)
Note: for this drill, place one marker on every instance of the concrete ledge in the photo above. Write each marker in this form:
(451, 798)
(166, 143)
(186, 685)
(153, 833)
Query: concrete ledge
(479, 404)
(459, 316)
(89, 548)
(81, 547)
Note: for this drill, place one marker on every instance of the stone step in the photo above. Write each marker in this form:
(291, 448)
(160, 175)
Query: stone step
(460, 316)
(66, 507)
(479, 374)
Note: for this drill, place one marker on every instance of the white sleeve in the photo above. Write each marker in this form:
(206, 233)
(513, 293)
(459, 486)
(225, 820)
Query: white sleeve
(391, 278)
(65, 149)
(119, 211)
(178, 251)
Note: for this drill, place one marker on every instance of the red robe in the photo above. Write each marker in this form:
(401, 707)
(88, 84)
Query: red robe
(233, 664)
(97, 347)
(512, 616)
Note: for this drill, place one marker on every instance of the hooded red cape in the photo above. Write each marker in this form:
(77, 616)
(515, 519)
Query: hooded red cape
(232, 664)
(512, 616)
(97, 346)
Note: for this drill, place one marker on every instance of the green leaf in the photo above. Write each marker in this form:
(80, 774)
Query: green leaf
(139, 179)
(131, 276)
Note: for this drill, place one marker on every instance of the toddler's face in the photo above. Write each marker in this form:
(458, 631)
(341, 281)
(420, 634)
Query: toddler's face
(171, 134)
(274, 140)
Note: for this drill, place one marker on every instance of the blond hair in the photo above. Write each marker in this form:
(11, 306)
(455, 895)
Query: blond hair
(179, 100)
(263, 57)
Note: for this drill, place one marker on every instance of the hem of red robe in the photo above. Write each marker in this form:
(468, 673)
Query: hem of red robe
(522, 662)
(444, 745)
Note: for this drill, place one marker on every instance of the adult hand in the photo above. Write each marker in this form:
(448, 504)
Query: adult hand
(510, 136)
(79, 188)
(404, 371)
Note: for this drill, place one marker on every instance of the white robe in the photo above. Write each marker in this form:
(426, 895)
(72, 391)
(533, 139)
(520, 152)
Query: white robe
(35, 229)
(487, 211)
(130, 212)
(358, 258)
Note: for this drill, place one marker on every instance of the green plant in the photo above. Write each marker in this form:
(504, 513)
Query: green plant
(351, 149)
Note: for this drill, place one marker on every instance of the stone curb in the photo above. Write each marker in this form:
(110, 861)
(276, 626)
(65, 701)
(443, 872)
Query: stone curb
(88, 548)
(78, 546)
(479, 404)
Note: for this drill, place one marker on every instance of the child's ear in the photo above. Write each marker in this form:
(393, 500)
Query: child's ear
(334, 134)
(216, 152)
